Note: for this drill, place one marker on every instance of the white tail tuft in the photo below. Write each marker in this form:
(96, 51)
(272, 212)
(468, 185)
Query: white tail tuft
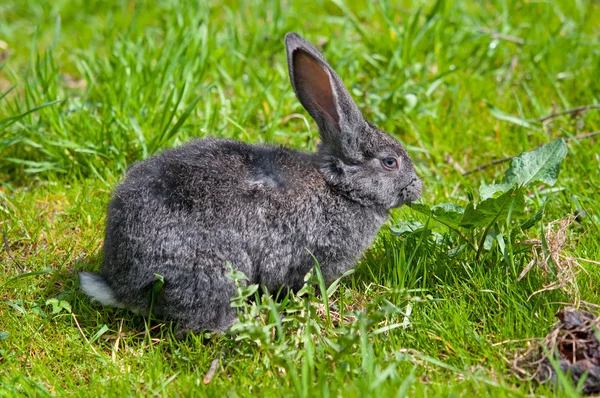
(96, 287)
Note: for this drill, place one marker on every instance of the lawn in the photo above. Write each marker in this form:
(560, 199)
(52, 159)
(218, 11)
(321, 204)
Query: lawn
(439, 306)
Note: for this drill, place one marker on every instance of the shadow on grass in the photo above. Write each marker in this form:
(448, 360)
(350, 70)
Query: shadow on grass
(91, 317)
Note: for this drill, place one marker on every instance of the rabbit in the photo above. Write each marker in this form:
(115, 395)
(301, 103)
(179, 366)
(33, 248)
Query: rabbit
(187, 212)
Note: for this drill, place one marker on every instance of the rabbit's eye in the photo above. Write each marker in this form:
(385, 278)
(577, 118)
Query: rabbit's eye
(389, 163)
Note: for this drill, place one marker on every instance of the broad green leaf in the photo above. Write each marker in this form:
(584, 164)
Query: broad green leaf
(493, 209)
(446, 213)
(406, 227)
(421, 208)
(540, 165)
(58, 306)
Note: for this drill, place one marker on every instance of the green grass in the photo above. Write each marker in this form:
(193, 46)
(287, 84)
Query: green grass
(123, 79)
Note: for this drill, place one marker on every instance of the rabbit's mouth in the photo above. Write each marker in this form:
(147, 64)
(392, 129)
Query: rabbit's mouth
(410, 192)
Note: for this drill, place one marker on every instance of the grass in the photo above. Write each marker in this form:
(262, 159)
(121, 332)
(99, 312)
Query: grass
(460, 83)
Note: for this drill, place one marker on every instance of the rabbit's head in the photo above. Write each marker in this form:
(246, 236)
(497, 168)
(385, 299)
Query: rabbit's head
(358, 159)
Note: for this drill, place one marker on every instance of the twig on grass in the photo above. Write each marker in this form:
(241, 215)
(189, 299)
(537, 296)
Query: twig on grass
(511, 341)
(508, 158)
(501, 36)
(292, 116)
(83, 334)
(587, 260)
(212, 370)
(583, 136)
(490, 164)
(117, 341)
(8, 251)
(573, 111)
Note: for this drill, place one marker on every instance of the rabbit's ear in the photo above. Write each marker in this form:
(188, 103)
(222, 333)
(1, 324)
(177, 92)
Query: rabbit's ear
(324, 96)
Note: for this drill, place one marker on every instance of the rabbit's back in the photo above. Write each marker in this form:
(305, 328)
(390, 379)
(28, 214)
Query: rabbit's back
(265, 209)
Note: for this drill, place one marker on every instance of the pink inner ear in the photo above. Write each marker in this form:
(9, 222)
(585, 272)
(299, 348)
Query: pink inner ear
(314, 82)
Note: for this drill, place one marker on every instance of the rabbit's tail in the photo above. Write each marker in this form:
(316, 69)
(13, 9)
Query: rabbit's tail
(95, 286)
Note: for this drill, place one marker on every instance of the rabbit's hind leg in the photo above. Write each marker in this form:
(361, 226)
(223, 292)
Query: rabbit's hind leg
(201, 302)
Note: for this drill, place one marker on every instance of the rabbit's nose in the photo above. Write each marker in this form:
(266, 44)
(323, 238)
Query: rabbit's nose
(413, 191)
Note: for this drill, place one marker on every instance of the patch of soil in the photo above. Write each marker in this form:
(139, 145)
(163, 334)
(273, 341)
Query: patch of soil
(575, 340)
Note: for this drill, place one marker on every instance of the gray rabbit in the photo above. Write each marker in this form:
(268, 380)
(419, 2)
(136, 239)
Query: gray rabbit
(185, 213)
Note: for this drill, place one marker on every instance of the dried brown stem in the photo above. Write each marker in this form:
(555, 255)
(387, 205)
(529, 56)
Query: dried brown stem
(83, 334)
(212, 370)
(501, 36)
(572, 111)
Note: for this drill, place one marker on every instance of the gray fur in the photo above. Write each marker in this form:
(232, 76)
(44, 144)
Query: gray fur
(187, 211)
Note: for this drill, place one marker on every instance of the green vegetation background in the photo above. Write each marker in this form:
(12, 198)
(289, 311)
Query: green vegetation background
(89, 87)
